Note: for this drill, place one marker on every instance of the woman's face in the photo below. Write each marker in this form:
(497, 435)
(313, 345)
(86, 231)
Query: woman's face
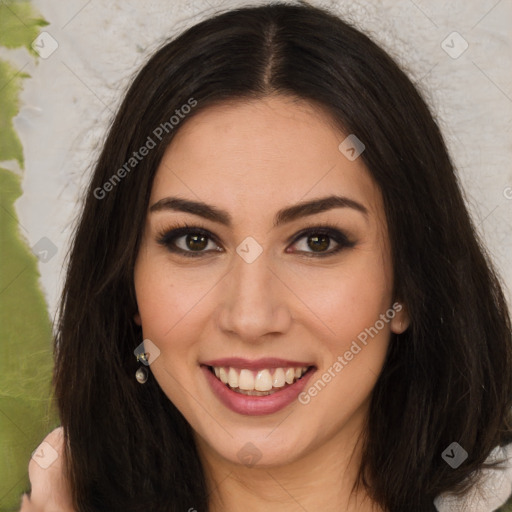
(262, 282)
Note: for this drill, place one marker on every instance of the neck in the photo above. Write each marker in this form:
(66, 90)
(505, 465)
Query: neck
(320, 479)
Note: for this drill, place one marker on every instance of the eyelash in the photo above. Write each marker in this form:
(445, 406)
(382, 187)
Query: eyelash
(167, 238)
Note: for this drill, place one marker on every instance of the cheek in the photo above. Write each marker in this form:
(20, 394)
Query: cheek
(166, 296)
(175, 306)
(349, 305)
(349, 299)
(169, 303)
(355, 305)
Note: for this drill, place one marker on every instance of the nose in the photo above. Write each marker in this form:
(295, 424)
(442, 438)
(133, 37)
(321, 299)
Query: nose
(253, 301)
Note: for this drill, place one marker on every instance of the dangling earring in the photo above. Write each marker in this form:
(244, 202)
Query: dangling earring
(142, 373)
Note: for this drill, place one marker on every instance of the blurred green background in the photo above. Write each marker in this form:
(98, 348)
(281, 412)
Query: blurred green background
(25, 328)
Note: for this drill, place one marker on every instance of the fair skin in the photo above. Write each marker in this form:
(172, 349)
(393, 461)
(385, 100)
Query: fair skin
(49, 489)
(283, 305)
(252, 159)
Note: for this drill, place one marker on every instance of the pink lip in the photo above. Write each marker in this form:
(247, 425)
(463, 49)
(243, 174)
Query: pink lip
(256, 364)
(255, 405)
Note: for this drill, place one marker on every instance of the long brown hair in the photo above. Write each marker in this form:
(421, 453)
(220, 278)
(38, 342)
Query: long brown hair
(447, 378)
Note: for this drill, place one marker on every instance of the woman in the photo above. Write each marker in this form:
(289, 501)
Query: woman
(275, 294)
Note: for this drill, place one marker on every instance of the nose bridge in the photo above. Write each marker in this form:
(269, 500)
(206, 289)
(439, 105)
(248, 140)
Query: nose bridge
(252, 304)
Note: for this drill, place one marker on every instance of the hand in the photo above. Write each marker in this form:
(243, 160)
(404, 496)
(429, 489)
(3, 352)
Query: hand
(50, 490)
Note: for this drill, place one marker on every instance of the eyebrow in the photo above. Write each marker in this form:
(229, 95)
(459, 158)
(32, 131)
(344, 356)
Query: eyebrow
(288, 214)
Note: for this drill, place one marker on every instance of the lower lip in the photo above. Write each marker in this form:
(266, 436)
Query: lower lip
(255, 405)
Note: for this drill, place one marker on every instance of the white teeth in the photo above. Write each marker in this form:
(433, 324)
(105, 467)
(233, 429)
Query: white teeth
(246, 380)
(278, 380)
(289, 375)
(233, 378)
(261, 381)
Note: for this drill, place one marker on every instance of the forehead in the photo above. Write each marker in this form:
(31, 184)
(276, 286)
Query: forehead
(246, 155)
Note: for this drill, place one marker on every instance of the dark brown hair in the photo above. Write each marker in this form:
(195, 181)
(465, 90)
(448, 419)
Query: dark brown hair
(447, 378)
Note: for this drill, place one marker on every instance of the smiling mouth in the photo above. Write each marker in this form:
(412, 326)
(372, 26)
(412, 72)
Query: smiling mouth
(259, 382)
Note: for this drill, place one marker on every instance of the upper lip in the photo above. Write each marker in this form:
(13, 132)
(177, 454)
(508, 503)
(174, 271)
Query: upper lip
(255, 364)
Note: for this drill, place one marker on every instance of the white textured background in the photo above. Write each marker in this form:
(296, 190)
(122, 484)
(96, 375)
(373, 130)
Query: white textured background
(73, 93)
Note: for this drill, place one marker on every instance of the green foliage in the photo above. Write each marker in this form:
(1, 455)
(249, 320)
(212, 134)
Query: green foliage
(25, 328)
(19, 25)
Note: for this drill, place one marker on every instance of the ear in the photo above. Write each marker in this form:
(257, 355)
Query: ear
(136, 319)
(401, 320)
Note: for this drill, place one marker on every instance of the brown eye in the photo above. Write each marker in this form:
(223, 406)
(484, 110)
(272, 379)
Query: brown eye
(189, 241)
(318, 243)
(196, 242)
(321, 241)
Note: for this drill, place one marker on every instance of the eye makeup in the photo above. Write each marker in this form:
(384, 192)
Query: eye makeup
(317, 234)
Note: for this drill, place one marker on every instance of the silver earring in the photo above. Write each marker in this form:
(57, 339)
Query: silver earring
(142, 373)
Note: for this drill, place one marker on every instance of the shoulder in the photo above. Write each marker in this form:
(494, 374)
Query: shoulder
(493, 491)
(49, 488)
